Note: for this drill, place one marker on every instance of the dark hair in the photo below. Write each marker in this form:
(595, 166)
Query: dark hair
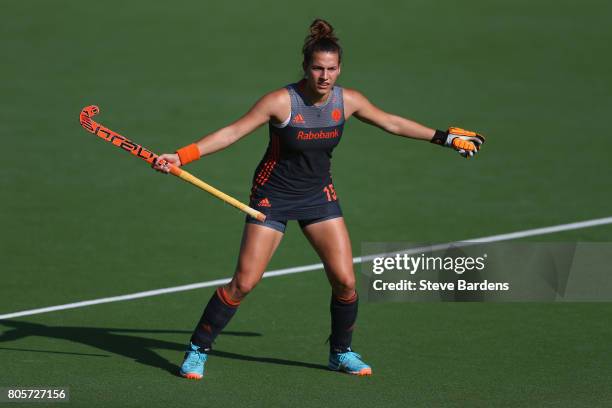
(321, 38)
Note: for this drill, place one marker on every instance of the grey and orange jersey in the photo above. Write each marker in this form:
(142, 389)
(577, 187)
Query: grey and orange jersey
(295, 172)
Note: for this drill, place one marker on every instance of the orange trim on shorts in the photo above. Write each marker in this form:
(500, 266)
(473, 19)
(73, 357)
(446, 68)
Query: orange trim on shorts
(226, 298)
(188, 153)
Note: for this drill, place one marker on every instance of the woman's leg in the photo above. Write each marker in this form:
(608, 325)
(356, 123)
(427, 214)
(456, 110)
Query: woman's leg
(331, 241)
(256, 250)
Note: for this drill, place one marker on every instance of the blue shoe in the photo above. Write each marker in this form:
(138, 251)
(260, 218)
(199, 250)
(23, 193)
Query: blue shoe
(349, 362)
(193, 365)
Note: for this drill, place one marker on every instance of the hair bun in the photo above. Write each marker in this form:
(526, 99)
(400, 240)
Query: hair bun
(320, 29)
(321, 37)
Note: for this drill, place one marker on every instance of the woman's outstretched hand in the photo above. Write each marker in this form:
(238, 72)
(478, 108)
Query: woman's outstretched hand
(466, 142)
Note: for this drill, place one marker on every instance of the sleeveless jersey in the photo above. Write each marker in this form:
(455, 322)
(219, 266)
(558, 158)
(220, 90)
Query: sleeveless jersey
(293, 180)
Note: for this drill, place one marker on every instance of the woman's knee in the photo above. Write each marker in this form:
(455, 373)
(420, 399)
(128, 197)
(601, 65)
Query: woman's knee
(344, 285)
(241, 286)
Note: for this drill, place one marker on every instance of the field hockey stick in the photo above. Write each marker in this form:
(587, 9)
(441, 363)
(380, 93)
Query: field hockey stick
(147, 155)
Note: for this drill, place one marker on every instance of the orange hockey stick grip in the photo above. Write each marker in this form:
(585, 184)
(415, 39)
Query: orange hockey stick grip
(188, 153)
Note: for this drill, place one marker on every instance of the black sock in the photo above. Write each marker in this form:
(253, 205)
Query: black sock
(216, 316)
(343, 317)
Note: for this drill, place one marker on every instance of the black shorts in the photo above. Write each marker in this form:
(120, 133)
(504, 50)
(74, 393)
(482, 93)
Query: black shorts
(280, 224)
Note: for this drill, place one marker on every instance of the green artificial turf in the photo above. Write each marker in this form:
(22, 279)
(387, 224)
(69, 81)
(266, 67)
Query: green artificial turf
(82, 220)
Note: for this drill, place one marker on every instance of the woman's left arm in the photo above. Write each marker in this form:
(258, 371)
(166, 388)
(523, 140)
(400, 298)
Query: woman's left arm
(465, 142)
(357, 104)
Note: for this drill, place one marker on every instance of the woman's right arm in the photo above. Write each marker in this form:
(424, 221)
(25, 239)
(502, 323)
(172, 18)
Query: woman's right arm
(274, 106)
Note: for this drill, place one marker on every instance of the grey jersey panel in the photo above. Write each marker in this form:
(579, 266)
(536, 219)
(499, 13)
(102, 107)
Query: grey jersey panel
(331, 113)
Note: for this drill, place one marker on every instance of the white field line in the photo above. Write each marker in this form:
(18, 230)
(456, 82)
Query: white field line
(314, 267)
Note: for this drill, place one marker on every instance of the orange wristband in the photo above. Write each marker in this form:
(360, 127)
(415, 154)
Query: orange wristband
(188, 153)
